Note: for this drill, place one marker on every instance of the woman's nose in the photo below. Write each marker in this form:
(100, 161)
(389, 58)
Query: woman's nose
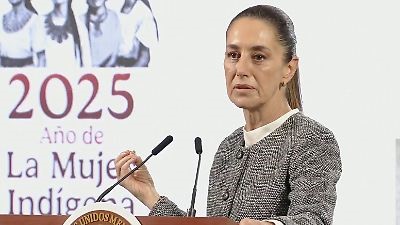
(242, 67)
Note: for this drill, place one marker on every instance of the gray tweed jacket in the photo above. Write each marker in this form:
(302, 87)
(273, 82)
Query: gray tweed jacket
(289, 176)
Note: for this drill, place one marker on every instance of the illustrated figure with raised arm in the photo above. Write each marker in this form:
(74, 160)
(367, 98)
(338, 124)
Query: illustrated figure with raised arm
(139, 33)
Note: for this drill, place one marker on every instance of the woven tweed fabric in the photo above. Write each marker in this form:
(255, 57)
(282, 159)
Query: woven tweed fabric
(289, 176)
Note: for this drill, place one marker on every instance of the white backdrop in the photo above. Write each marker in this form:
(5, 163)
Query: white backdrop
(348, 51)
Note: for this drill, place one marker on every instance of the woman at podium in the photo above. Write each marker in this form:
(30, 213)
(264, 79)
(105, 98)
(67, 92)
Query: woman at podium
(281, 167)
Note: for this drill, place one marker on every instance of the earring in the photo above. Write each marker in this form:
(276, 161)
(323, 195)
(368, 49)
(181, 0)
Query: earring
(281, 85)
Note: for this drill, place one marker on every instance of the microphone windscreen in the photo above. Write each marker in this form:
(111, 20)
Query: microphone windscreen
(167, 140)
(197, 145)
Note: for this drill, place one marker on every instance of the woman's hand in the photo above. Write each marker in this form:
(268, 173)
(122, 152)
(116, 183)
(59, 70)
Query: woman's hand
(140, 183)
(247, 221)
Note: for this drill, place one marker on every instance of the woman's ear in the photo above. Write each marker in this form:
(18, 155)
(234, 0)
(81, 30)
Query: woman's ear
(291, 69)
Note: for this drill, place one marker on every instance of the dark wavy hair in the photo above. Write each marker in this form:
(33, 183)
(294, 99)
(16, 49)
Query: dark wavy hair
(75, 33)
(29, 6)
(147, 3)
(286, 36)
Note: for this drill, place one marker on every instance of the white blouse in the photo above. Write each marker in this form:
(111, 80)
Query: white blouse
(254, 136)
(23, 43)
(138, 23)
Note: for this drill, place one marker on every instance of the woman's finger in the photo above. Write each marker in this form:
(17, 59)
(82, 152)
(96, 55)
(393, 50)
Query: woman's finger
(122, 154)
(126, 165)
(120, 163)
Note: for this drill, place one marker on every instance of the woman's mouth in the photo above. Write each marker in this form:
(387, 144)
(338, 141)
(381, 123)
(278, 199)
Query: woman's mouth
(243, 86)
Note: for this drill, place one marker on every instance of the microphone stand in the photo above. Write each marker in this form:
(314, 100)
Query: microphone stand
(191, 212)
(167, 140)
(108, 190)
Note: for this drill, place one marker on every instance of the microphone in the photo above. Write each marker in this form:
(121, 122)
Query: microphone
(191, 212)
(167, 140)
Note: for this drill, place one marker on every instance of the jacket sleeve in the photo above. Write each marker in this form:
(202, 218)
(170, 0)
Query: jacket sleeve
(314, 170)
(165, 207)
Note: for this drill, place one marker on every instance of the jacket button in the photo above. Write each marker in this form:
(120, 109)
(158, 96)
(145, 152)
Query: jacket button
(239, 154)
(225, 195)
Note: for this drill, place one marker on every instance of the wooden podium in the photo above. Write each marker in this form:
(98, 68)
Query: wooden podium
(144, 220)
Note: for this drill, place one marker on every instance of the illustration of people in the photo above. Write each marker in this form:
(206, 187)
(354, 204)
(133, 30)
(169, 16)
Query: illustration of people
(139, 32)
(63, 37)
(21, 39)
(104, 32)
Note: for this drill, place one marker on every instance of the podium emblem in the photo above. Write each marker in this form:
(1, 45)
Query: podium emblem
(102, 213)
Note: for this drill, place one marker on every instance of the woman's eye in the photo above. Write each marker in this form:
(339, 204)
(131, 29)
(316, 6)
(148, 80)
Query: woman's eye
(259, 57)
(233, 55)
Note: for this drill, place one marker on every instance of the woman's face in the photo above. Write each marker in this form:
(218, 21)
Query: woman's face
(254, 65)
(96, 3)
